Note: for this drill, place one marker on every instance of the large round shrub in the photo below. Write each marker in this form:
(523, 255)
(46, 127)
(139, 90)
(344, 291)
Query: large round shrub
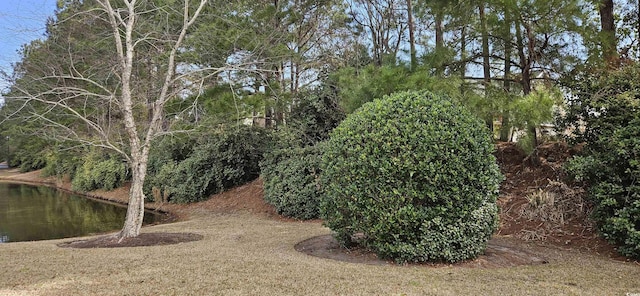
(411, 177)
(292, 181)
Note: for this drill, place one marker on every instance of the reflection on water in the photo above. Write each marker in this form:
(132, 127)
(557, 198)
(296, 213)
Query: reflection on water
(35, 213)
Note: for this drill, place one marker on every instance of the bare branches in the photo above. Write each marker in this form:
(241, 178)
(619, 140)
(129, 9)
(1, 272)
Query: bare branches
(384, 21)
(107, 94)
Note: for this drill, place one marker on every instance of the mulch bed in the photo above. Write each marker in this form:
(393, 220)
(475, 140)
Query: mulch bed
(143, 240)
(500, 252)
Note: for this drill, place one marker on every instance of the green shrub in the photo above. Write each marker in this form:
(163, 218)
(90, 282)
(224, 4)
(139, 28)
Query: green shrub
(411, 177)
(314, 116)
(61, 163)
(25, 151)
(28, 162)
(193, 179)
(608, 107)
(219, 162)
(613, 175)
(99, 172)
(292, 181)
(29, 155)
(163, 156)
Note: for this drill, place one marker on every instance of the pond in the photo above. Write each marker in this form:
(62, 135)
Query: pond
(30, 213)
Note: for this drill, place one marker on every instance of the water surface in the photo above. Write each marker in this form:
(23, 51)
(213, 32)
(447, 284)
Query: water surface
(37, 213)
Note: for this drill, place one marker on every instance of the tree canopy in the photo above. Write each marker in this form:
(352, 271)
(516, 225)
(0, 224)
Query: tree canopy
(119, 75)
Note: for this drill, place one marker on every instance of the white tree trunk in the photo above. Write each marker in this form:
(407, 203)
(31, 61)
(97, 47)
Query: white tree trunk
(135, 210)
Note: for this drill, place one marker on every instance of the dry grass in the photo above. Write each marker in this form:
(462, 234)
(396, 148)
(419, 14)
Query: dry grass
(247, 253)
(556, 203)
(244, 254)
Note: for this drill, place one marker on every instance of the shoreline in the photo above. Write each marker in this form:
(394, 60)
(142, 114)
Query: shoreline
(118, 196)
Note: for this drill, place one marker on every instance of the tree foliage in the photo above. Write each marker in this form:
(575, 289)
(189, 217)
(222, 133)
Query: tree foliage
(359, 86)
(314, 116)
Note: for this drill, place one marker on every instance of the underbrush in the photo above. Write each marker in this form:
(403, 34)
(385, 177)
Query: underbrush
(292, 181)
(554, 206)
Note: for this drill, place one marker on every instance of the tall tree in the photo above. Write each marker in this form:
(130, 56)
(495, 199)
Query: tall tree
(507, 41)
(608, 33)
(412, 39)
(486, 67)
(438, 9)
(105, 98)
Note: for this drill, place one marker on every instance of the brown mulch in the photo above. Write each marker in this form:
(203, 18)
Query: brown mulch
(563, 222)
(500, 252)
(143, 240)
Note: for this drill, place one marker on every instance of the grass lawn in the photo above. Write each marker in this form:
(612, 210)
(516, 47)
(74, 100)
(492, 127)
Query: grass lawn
(248, 254)
(248, 251)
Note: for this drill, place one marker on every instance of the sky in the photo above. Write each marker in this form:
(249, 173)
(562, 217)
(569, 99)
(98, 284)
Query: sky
(21, 21)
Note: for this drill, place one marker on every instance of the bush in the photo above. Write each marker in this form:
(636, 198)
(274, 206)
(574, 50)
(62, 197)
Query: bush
(220, 162)
(22, 148)
(612, 174)
(27, 162)
(314, 116)
(292, 181)
(63, 162)
(99, 172)
(610, 161)
(29, 154)
(164, 153)
(411, 177)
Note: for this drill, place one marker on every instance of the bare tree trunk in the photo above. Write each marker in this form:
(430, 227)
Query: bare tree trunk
(485, 46)
(608, 31)
(126, 53)
(125, 46)
(412, 40)
(505, 128)
(135, 210)
(463, 52)
(439, 41)
(523, 60)
(486, 67)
